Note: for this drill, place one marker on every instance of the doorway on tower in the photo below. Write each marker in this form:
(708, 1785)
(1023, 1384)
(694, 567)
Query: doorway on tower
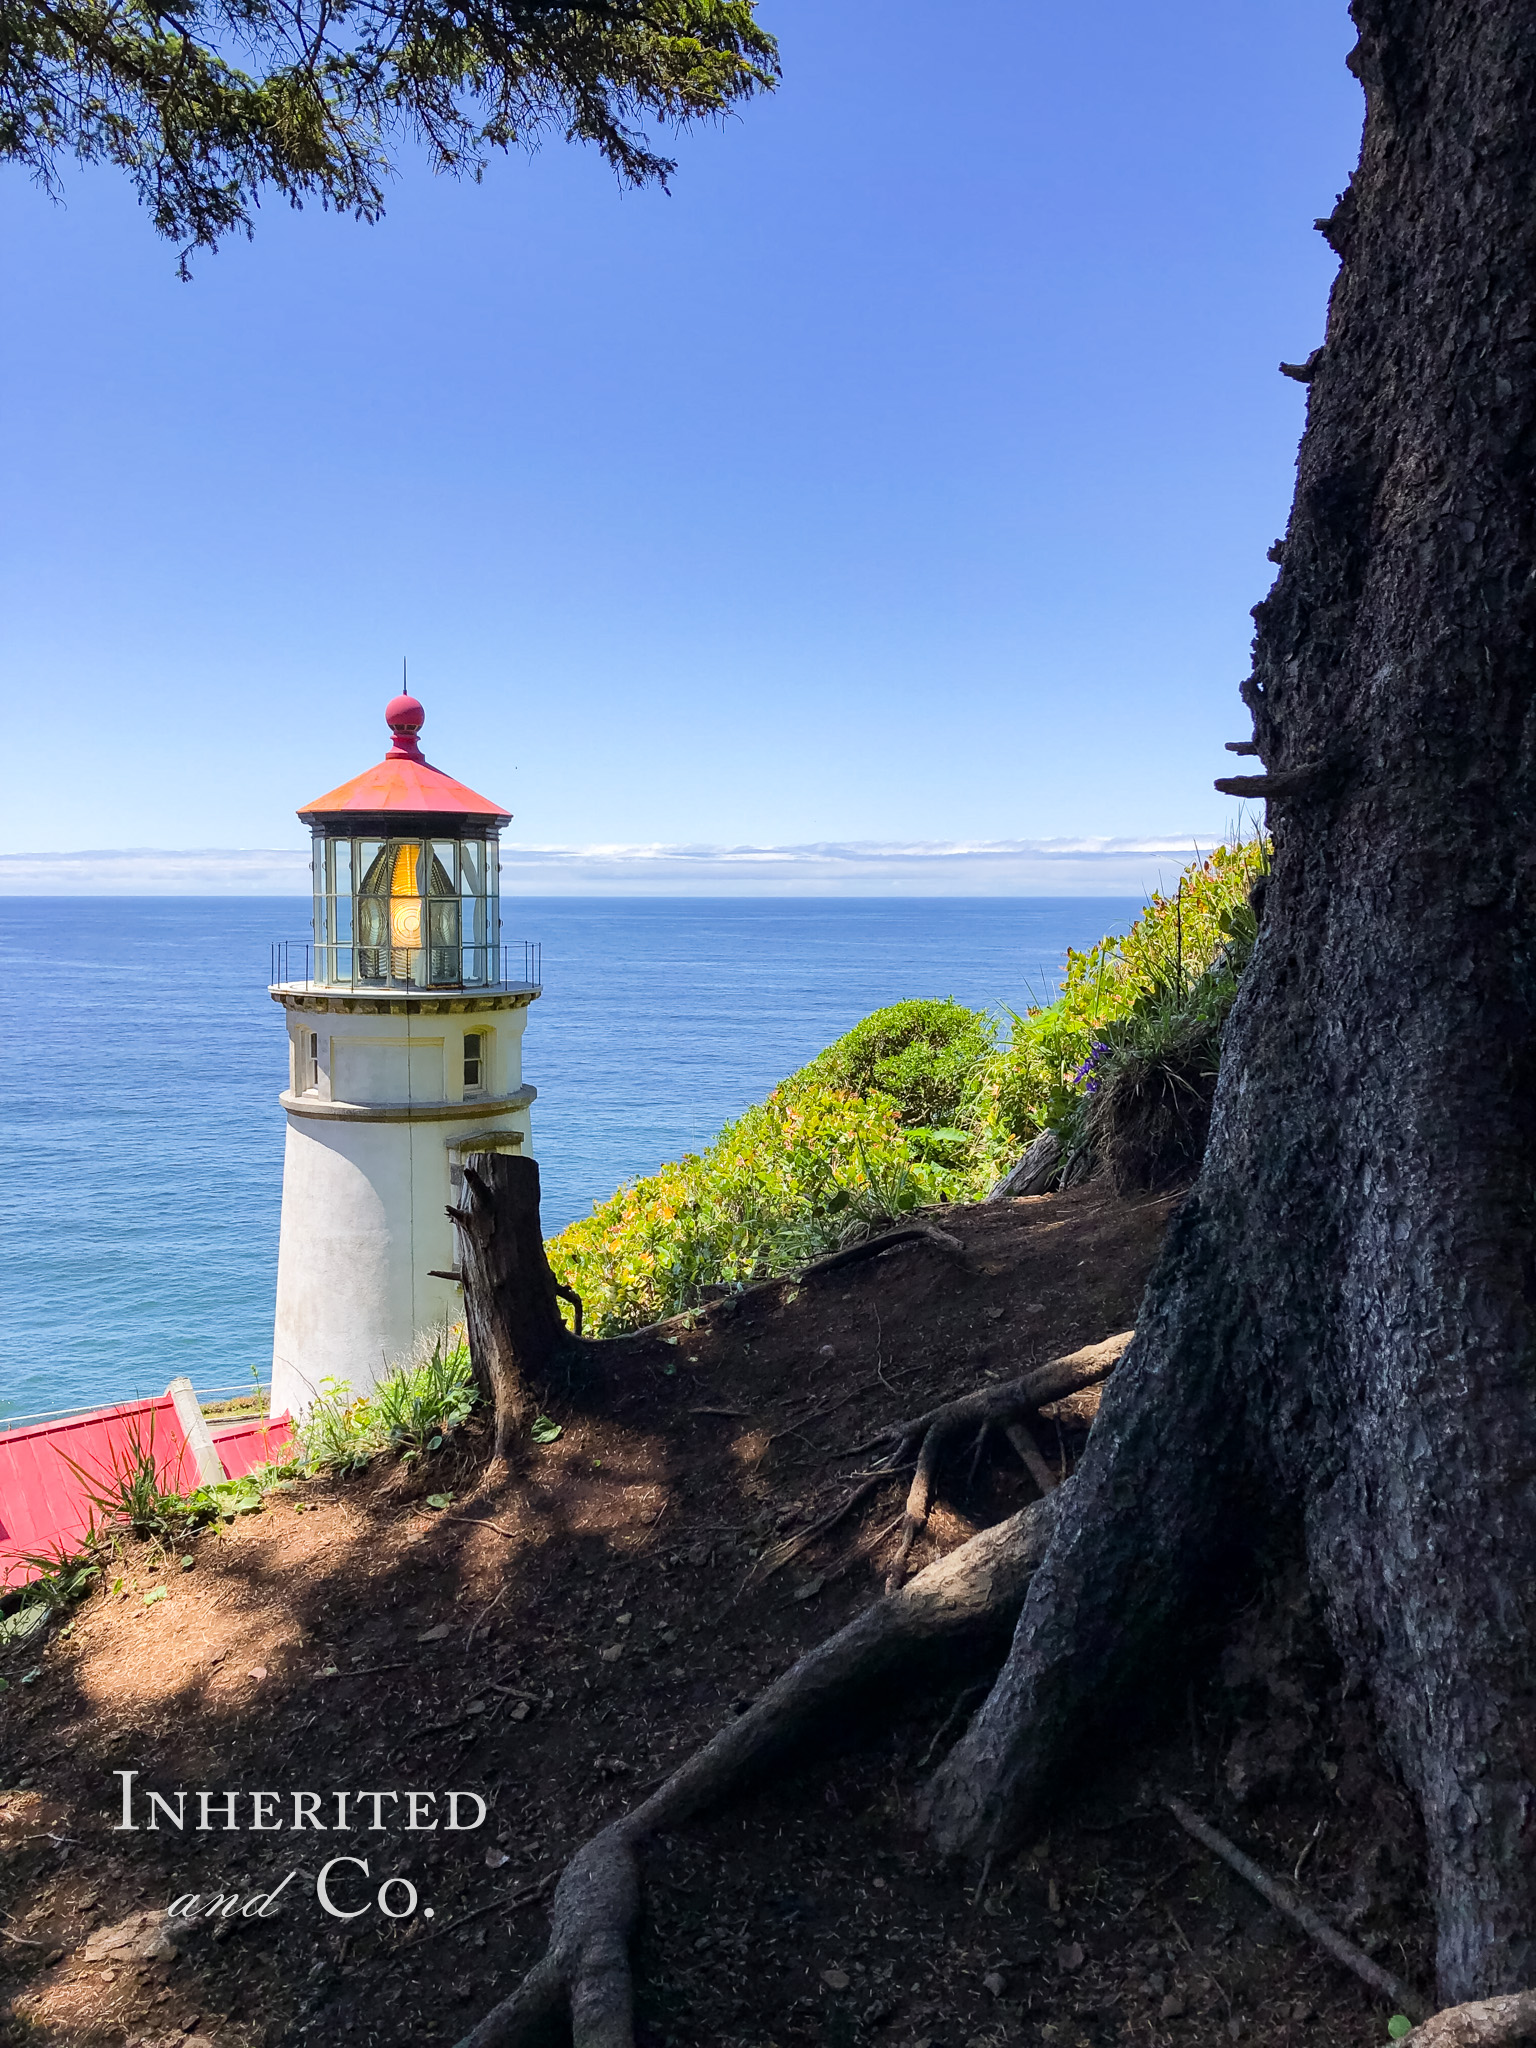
(478, 1141)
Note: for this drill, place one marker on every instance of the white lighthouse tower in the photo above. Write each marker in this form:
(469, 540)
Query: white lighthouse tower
(405, 1021)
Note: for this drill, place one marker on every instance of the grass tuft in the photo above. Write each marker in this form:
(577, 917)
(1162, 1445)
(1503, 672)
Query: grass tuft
(411, 1412)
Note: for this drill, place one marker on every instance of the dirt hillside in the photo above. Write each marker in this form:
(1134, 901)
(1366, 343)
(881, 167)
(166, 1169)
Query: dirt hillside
(557, 1647)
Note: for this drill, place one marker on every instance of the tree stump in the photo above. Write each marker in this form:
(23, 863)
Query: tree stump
(510, 1307)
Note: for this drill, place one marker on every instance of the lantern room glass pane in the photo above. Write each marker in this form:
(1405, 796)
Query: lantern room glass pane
(376, 864)
(444, 968)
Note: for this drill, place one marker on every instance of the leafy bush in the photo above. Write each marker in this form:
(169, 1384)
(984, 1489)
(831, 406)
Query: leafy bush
(1148, 1011)
(925, 1056)
(922, 1103)
(339, 1434)
(226, 1498)
(793, 1177)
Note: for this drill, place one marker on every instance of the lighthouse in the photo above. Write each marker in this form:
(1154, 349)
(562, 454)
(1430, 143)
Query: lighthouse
(405, 1020)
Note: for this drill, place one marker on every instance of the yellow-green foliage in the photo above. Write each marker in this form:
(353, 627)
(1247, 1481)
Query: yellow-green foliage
(1184, 953)
(778, 1187)
(919, 1103)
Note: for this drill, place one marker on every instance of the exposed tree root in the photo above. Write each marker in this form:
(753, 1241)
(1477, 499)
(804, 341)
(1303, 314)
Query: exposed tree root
(1022, 1437)
(1012, 1400)
(930, 1437)
(782, 1553)
(1156, 1495)
(1508, 2022)
(583, 1982)
(872, 1247)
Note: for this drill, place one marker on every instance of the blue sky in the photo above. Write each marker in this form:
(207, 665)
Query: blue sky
(905, 477)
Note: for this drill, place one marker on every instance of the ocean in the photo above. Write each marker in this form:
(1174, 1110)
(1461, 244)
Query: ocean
(144, 1143)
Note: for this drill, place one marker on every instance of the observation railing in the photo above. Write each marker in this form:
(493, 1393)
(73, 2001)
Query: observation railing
(300, 963)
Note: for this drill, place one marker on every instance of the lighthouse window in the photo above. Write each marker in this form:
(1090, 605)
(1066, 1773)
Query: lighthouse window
(314, 1059)
(472, 1059)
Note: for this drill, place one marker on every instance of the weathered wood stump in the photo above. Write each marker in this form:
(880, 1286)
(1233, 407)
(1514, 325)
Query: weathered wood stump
(510, 1304)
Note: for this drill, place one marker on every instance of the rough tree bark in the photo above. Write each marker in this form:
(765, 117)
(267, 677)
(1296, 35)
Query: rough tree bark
(1339, 1336)
(511, 1311)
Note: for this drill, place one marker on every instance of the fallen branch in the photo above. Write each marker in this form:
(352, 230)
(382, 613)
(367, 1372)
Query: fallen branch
(1489, 2023)
(871, 1248)
(484, 1522)
(968, 1598)
(1312, 1924)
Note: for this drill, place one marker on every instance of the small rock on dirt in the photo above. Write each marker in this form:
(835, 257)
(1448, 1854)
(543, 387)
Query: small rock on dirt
(835, 1980)
(434, 1635)
(142, 1937)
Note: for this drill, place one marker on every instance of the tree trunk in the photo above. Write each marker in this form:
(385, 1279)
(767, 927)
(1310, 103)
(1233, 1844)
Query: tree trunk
(510, 1309)
(1339, 1336)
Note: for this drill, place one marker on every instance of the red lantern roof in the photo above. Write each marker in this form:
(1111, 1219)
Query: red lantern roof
(404, 780)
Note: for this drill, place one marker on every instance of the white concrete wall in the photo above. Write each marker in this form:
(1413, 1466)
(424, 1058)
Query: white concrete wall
(363, 1217)
(367, 1057)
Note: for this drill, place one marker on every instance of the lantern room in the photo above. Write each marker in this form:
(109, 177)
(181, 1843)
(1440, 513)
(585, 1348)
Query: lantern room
(405, 875)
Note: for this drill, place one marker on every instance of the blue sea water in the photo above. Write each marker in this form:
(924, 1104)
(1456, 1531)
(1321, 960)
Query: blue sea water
(144, 1143)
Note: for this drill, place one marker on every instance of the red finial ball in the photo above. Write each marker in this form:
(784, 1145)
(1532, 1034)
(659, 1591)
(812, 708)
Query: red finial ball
(404, 717)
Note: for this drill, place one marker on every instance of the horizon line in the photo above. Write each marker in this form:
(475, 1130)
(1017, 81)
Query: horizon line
(1127, 865)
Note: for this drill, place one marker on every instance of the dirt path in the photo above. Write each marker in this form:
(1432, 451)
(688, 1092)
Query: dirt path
(556, 1649)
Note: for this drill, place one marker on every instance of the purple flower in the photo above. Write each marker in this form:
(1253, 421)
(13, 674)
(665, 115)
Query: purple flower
(1084, 1077)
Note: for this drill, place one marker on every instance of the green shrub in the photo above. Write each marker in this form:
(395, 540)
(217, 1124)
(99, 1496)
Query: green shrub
(226, 1498)
(339, 1433)
(926, 1056)
(1149, 1010)
(793, 1177)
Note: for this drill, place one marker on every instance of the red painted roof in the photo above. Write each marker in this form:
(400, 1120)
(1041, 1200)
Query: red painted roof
(404, 780)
